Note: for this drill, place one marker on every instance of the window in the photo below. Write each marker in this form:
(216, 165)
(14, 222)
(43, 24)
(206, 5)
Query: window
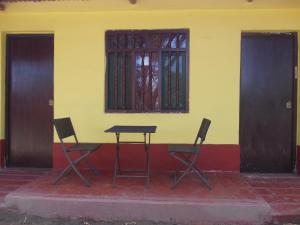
(147, 70)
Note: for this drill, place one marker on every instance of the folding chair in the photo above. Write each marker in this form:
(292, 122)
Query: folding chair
(188, 156)
(65, 129)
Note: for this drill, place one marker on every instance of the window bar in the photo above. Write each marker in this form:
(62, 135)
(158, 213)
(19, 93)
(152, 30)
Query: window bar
(133, 80)
(143, 81)
(116, 81)
(125, 71)
(177, 73)
(134, 41)
(169, 80)
(125, 41)
(160, 80)
(118, 41)
(133, 83)
(124, 82)
(150, 79)
(169, 72)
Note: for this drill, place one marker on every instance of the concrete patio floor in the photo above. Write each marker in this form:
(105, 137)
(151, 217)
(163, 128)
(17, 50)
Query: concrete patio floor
(235, 198)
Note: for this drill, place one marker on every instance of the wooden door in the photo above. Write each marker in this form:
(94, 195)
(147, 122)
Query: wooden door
(267, 102)
(29, 90)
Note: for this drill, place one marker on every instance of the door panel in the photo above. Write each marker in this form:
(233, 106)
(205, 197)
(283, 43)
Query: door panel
(266, 118)
(30, 87)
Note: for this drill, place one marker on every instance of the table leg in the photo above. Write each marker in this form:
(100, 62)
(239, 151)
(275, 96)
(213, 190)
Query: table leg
(118, 155)
(147, 146)
(117, 160)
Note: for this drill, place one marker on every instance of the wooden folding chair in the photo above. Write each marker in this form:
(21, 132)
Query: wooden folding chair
(189, 155)
(64, 130)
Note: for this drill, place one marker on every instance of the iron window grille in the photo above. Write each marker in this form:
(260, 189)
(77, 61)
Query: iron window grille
(147, 71)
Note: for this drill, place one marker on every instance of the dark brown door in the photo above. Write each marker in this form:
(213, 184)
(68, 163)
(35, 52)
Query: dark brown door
(29, 90)
(267, 137)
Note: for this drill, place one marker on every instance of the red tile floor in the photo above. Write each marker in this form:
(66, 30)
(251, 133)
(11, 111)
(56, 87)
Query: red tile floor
(12, 179)
(281, 192)
(235, 197)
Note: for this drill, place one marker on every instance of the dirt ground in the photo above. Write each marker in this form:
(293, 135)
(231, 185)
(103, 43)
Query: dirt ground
(11, 217)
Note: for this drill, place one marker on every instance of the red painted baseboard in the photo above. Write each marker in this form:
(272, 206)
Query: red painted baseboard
(224, 157)
(2, 153)
(298, 160)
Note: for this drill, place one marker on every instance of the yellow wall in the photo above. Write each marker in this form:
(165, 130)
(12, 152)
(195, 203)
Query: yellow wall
(214, 66)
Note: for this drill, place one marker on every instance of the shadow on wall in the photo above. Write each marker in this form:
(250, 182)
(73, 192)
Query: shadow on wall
(1, 153)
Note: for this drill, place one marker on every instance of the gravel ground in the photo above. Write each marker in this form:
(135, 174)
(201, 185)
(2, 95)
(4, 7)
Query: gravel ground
(11, 217)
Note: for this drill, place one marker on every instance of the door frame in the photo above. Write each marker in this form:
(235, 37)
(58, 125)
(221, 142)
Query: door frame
(7, 86)
(295, 87)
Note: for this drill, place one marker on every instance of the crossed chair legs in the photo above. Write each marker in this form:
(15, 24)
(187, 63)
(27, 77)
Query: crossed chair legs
(72, 167)
(190, 164)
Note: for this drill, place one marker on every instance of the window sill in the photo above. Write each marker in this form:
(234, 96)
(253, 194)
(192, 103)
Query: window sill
(146, 112)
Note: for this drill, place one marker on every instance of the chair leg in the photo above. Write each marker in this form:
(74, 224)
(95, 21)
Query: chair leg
(85, 181)
(72, 166)
(188, 169)
(66, 171)
(191, 167)
(62, 174)
(202, 178)
(177, 181)
(198, 172)
(91, 166)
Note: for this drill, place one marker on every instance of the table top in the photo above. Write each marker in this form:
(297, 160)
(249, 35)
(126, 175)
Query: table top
(131, 129)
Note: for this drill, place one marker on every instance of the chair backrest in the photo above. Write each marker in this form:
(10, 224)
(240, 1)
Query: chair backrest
(202, 131)
(64, 128)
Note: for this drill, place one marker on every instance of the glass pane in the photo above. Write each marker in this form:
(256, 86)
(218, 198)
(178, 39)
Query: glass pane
(173, 89)
(174, 41)
(111, 80)
(182, 41)
(165, 41)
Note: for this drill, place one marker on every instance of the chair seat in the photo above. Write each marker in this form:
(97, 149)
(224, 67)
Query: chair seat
(84, 147)
(183, 148)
